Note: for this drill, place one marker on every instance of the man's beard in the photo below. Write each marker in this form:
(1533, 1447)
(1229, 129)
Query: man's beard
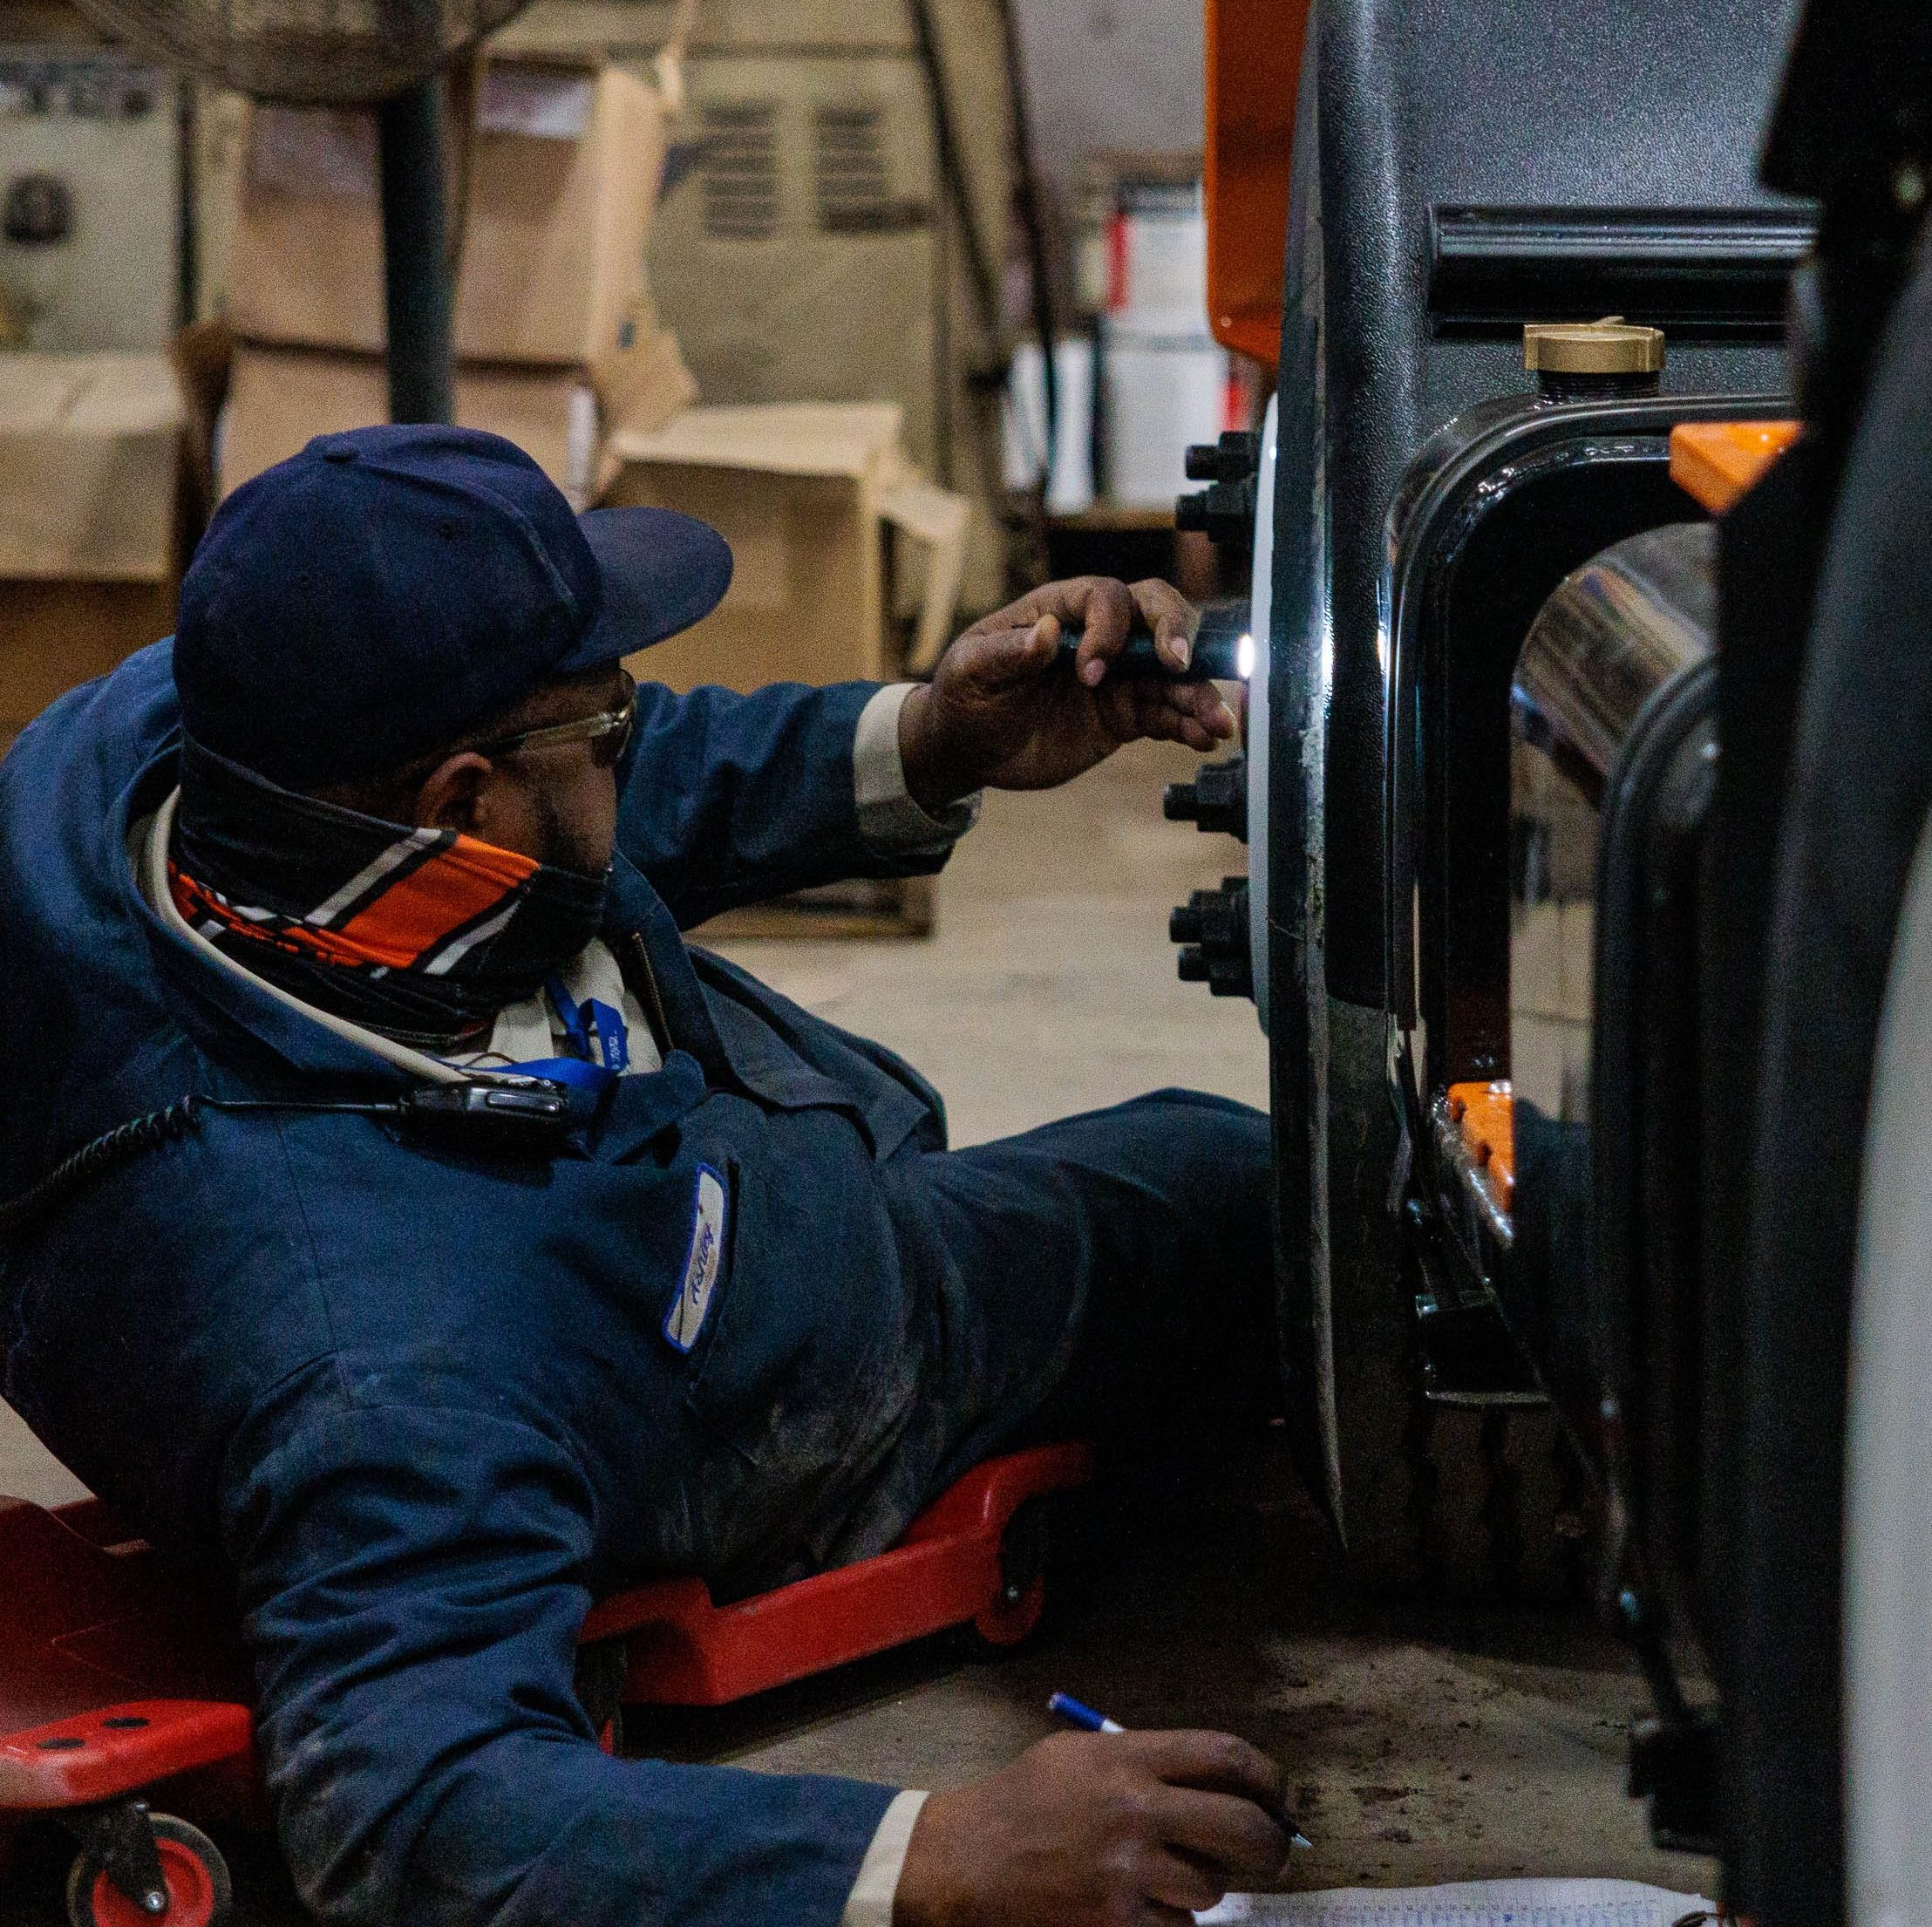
(558, 848)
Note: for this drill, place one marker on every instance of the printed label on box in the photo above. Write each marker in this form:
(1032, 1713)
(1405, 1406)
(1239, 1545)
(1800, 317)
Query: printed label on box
(313, 150)
(539, 106)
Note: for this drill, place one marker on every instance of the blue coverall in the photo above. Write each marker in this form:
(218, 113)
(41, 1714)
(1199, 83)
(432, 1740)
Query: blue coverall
(419, 1407)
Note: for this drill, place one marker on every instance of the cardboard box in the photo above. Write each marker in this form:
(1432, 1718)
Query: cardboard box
(89, 445)
(803, 493)
(56, 635)
(279, 398)
(90, 453)
(563, 175)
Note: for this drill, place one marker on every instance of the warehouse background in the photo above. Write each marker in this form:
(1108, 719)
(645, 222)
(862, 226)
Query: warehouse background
(862, 217)
(800, 263)
(1148, 53)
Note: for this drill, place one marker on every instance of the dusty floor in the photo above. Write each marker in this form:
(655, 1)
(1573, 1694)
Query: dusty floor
(1427, 1744)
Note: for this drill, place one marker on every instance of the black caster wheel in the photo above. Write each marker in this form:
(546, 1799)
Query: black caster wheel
(193, 1889)
(601, 1669)
(1011, 1620)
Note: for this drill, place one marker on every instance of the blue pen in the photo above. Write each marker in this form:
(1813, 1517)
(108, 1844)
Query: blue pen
(1077, 1713)
(1064, 1706)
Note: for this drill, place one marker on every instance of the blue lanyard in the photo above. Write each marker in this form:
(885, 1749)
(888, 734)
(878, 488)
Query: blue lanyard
(596, 1033)
(591, 1023)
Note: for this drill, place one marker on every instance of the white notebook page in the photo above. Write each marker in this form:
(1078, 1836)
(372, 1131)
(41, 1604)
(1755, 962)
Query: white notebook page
(1472, 1904)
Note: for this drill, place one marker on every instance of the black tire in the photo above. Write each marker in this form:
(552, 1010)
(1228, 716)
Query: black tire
(1858, 801)
(1503, 1506)
(1545, 1531)
(180, 1844)
(1386, 1484)
(1475, 1502)
(600, 1682)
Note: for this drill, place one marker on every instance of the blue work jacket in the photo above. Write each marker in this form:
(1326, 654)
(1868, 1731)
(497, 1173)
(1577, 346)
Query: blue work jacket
(420, 1408)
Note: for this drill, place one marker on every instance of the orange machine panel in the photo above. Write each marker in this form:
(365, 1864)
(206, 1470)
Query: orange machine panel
(1716, 461)
(1253, 67)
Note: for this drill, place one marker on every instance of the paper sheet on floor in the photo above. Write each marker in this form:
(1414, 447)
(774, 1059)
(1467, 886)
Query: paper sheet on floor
(1472, 1903)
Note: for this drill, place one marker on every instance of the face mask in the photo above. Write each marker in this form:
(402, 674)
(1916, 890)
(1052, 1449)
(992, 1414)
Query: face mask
(423, 935)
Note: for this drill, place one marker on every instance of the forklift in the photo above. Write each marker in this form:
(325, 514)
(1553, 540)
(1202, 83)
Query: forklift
(1588, 782)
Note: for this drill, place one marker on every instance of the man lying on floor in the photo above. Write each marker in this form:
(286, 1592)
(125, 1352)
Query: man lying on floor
(387, 812)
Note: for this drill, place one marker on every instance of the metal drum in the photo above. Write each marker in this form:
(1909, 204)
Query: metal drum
(1630, 622)
(1612, 764)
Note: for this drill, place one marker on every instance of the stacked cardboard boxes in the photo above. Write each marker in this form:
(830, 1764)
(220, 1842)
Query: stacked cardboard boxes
(556, 340)
(89, 458)
(807, 248)
(809, 494)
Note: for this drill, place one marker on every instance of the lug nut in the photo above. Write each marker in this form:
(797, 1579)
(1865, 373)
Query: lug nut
(1215, 800)
(1213, 925)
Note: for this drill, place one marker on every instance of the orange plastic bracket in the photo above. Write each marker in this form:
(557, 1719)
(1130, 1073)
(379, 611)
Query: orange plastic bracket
(1714, 462)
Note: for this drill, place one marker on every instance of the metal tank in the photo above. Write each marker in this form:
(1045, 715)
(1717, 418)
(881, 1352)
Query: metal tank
(1613, 764)
(1625, 625)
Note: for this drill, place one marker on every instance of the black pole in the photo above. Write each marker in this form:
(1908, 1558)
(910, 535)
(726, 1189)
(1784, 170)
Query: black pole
(1032, 209)
(187, 225)
(416, 253)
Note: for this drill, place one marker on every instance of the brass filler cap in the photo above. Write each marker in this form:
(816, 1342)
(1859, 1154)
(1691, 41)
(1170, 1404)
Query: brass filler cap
(1612, 346)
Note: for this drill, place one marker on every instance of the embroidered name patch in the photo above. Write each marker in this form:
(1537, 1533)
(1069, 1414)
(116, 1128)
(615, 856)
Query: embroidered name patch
(702, 1264)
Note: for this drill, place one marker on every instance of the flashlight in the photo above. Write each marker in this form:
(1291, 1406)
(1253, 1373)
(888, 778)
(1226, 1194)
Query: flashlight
(1223, 650)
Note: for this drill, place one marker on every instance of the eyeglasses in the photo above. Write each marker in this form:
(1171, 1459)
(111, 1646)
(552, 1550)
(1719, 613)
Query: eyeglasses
(608, 733)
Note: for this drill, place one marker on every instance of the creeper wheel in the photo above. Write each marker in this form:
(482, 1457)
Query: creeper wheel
(194, 1878)
(1016, 1612)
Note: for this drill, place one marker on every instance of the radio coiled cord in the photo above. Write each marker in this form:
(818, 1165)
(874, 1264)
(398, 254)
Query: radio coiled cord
(122, 1145)
(522, 1118)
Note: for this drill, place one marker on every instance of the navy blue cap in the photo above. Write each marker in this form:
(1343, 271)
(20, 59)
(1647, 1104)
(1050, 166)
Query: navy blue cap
(387, 590)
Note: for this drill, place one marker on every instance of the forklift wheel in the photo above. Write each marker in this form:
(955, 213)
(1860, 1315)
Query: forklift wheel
(198, 1887)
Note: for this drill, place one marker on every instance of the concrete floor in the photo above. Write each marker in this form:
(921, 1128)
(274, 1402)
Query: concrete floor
(1426, 1744)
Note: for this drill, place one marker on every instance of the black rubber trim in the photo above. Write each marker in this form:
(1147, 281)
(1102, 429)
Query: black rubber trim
(1716, 270)
(1640, 775)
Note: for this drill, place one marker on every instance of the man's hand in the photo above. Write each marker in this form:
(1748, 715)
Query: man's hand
(1002, 708)
(1098, 1830)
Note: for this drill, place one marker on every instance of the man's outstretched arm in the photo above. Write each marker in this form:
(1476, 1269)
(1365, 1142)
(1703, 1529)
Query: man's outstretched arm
(730, 799)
